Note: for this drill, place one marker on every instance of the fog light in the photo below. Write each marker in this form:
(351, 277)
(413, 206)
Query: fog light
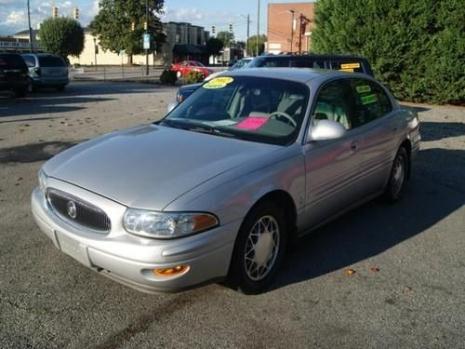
(173, 271)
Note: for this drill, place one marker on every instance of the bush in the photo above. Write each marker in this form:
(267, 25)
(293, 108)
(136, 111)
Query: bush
(194, 77)
(168, 77)
(417, 48)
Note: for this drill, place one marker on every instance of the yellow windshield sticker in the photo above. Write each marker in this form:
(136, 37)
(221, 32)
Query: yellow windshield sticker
(347, 70)
(350, 65)
(218, 83)
(370, 99)
(363, 89)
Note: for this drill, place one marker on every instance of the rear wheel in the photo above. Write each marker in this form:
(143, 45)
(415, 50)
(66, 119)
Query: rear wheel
(398, 177)
(61, 88)
(259, 249)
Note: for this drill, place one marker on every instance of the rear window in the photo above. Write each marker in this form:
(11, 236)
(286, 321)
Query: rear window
(12, 61)
(51, 61)
(272, 62)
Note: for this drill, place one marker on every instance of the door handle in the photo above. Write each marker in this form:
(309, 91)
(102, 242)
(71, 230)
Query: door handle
(354, 146)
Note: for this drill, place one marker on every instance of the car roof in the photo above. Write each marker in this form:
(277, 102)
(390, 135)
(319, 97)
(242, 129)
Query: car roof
(303, 75)
(312, 55)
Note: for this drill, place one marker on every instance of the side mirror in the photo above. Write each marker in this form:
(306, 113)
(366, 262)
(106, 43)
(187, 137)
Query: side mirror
(324, 130)
(170, 107)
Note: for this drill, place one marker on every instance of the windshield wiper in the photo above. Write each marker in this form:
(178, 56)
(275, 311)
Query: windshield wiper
(196, 127)
(210, 130)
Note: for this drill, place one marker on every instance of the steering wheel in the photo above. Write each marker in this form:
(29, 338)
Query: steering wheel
(288, 118)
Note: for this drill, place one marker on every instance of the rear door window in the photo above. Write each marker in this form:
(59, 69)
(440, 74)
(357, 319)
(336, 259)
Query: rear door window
(51, 61)
(371, 102)
(12, 61)
(274, 62)
(30, 61)
(307, 62)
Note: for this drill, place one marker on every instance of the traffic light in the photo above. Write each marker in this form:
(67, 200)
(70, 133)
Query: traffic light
(230, 28)
(146, 26)
(133, 26)
(54, 12)
(213, 30)
(76, 13)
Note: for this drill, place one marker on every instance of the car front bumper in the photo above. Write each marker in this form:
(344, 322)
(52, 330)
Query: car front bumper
(129, 259)
(52, 82)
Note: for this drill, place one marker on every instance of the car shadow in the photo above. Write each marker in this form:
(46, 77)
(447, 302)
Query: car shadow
(33, 152)
(377, 226)
(32, 106)
(434, 131)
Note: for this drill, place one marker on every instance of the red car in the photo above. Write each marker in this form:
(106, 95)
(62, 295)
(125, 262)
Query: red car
(183, 68)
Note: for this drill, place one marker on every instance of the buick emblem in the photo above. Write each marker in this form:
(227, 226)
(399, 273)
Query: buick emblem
(71, 208)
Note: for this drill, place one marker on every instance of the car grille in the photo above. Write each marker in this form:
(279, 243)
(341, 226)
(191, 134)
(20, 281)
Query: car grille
(77, 211)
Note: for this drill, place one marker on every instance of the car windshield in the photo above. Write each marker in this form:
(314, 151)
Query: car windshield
(243, 63)
(51, 61)
(251, 108)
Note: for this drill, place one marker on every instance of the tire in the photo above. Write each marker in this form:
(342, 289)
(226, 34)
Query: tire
(398, 177)
(61, 88)
(258, 251)
(21, 92)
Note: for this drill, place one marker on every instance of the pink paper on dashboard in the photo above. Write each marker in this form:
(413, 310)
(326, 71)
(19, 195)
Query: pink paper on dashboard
(252, 123)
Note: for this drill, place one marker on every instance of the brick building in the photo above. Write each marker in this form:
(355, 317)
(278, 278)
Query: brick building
(290, 27)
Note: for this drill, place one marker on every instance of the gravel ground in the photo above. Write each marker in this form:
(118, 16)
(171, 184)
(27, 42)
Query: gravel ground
(408, 289)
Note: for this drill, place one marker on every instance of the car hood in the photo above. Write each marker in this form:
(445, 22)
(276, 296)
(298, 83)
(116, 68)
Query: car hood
(150, 166)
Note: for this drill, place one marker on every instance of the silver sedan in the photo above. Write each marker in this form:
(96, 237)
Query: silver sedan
(217, 188)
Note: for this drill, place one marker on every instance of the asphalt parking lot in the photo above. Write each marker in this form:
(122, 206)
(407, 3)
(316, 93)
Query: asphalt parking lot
(407, 289)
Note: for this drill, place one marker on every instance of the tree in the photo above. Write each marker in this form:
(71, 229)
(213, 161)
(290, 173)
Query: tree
(62, 36)
(416, 48)
(225, 37)
(252, 44)
(114, 24)
(214, 46)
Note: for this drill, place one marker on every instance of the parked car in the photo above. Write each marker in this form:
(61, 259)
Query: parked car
(13, 74)
(184, 68)
(347, 63)
(217, 188)
(47, 70)
(333, 62)
(186, 90)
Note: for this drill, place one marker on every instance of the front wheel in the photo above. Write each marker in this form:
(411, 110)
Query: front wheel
(398, 177)
(259, 249)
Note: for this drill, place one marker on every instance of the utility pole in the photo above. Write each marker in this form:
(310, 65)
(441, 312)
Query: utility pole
(29, 23)
(146, 32)
(248, 35)
(292, 29)
(258, 26)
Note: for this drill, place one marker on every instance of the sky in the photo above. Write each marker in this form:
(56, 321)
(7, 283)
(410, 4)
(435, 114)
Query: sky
(220, 13)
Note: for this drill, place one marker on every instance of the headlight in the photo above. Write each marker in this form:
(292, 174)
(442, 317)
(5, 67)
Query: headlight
(166, 225)
(42, 181)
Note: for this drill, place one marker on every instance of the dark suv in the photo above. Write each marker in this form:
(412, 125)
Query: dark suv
(353, 64)
(347, 63)
(13, 74)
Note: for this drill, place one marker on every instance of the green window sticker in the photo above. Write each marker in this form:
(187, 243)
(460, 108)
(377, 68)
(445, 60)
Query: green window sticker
(370, 99)
(363, 89)
(218, 83)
